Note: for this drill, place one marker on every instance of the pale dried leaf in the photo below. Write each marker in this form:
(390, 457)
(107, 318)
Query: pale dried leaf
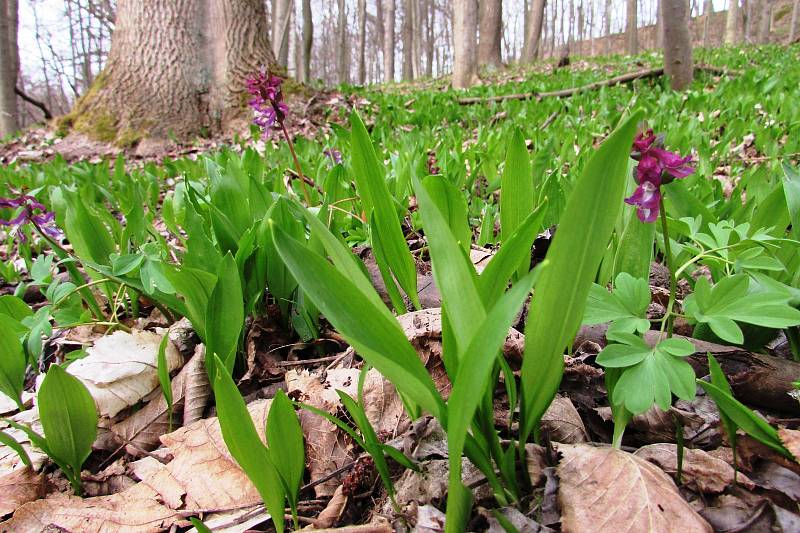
(383, 406)
(9, 460)
(7, 405)
(333, 511)
(536, 462)
(196, 388)
(19, 487)
(122, 368)
(111, 480)
(563, 423)
(608, 490)
(429, 520)
(791, 441)
(522, 523)
(701, 470)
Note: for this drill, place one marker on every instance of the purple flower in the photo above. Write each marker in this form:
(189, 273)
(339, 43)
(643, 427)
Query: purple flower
(656, 167)
(334, 154)
(43, 220)
(267, 101)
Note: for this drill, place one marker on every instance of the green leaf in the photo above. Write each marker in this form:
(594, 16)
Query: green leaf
(69, 419)
(635, 250)
(516, 190)
(14, 307)
(575, 255)
(12, 361)
(163, 374)
(369, 328)
(791, 189)
(452, 206)
(9, 441)
(242, 440)
(224, 316)
(627, 304)
(86, 232)
(199, 525)
(719, 380)
(375, 197)
(195, 286)
(285, 439)
(125, 264)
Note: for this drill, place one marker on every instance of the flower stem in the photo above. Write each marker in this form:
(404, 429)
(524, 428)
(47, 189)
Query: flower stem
(673, 284)
(296, 164)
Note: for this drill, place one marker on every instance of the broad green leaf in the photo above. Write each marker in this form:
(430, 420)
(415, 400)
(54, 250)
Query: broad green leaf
(791, 189)
(14, 307)
(224, 316)
(12, 360)
(8, 440)
(242, 440)
(516, 191)
(452, 206)
(195, 286)
(285, 440)
(369, 328)
(375, 197)
(575, 255)
(199, 525)
(69, 418)
(626, 305)
(86, 232)
(635, 250)
(719, 380)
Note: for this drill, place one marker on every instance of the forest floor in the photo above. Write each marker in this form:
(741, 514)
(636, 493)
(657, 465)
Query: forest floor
(157, 462)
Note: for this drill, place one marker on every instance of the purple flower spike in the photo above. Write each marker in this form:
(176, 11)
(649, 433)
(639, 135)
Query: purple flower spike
(43, 220)
(656, 167)
(267, 101)
(334, 154)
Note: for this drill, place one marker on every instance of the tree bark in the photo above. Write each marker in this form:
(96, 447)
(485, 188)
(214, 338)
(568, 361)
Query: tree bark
(607, 27)
(388, 41)
(342, 67)
(764, 19)
(793, 25)
(732, 22)
(175, 68)
(281, 15)
(531, 49)
(430, 40)
(465, 26)
(9, 67)
(308, 40)
(491, 33)
(708, 10)
(631, 27)
(362, 41)
(407, 37)
(677, 43)
(416, 37)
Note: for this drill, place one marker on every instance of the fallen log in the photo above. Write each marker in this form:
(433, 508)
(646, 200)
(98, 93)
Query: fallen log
(756, 379)
(562, 93)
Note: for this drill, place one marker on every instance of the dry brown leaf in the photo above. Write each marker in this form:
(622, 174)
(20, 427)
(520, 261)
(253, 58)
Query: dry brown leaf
(19, 487)
(111, 480)
(603, 489)
(327, 449)
(383, 406)
(122, 368)
(791, 441)
(9, 460)
(142, 430)
(536, 462)
(701, 470)
(563, 423)
(333, 511)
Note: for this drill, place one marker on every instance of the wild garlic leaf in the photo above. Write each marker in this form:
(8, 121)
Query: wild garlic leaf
(650, 374)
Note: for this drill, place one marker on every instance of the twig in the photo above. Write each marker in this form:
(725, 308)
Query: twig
(34, 102)
(562, 93)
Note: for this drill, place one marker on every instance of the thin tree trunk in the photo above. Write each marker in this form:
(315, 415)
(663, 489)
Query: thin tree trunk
(308, 40)
(607, 27)
(341, 39)
(416, 37)
(388, 41)
(732, 23)
(465, 26)
(430, 41)
(677, 43)
(533, 37)
(281, 12)
(407, 36)
(491, 33)
(362, 41)
(631, 28)
(380, 34)
(708, 10)
(793, 25)
(659, 26)
(764, 19)
(9, 67)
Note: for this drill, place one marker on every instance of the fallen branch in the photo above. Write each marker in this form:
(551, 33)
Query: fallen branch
(562, 93)
(41, 105)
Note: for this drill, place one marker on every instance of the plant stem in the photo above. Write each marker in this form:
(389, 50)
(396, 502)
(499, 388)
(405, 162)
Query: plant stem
(296, 165)
(673, 284)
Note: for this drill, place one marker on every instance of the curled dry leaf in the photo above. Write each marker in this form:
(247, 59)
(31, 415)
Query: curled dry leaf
(536, 461)
(19, 487)
(141, 431)
(791, 441)
(333, 511)
(122, 369)
(563, 423)
(701, 471)
(608, 490)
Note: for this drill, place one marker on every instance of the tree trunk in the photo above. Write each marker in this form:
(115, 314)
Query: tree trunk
(607, 27)
(793, 25)
(342, 68)
(308, 40)
(175, 68)
(708, 10)
(533, 38)
(659, 26)
(416, 37)
(9, 66)
(465, 26)
(362, 41)
(764, 19)
(281, 15)
(732, 23)
(491, 33)
(407, 37)
(677, 43)
(430, 42)
(388, 41)
(631, 27)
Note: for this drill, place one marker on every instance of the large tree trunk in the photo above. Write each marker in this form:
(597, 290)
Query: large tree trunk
(416, 37)
(530, 50)
(708, 10)
(388, 41)
(732, 22)
(175, 67)
(308, 40)
(607, 27)
(281, 15)
(632, 27)
(465, 26)
(677, 43)
(764, 19)
(491, 33)
(362, 40)
(430, 40)
(9, 67)
(342, 66)
(793, 25)
(407, 37)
